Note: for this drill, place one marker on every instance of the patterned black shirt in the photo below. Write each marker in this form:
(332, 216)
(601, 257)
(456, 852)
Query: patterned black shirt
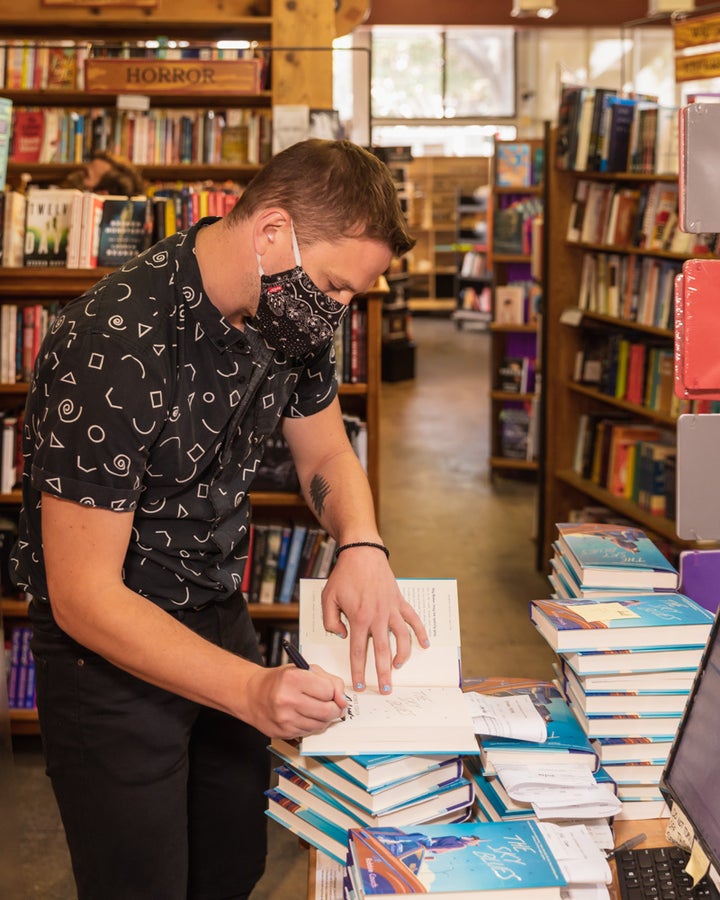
(146, 399)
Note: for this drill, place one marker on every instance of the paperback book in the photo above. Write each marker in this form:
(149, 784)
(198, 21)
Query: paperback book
(125, 229)
(622, 623)
(618, 662)
(609, 555)
(47, 226)
(425, 713)
(565, 741)
(452, 801)
(322, 771)
(487, 859)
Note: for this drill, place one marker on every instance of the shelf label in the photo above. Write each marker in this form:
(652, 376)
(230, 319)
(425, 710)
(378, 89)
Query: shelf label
(699, 65)
(169, 76)
(696, 32)
(572, 315)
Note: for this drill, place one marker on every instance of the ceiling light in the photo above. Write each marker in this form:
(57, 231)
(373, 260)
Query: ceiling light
(656, 7)
(533, 9)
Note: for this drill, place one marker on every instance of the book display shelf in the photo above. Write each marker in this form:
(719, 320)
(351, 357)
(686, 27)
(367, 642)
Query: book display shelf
(516, 202)
(297, 78)
(433, 185)
(473, 278)
(610, 409)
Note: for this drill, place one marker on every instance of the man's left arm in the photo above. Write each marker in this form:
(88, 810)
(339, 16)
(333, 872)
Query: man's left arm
(362, 584)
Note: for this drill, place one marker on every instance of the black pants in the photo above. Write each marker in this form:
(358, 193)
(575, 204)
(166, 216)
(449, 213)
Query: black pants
(161, 798)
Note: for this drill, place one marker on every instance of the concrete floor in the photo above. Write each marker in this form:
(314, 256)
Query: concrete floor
(441, 516)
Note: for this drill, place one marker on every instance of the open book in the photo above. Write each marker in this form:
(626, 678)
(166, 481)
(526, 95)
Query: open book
(426, 711)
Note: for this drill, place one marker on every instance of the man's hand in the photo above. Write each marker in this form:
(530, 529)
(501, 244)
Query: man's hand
(287, 702)
(363, 587)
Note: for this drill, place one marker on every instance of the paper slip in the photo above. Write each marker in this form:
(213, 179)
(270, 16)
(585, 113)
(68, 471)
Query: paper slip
(585, 892)
(510, 717)
(587, 803)
(577, 854)
(698, 864)
(679, 830)
(526, 783)
(328, 877)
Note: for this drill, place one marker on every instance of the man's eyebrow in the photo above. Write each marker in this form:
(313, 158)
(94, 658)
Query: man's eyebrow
(342, 284)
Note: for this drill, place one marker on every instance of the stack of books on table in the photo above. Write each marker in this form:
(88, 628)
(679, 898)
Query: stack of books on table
(536, 762)
(628, 646)
(393, 759)
(321, 798)
(523, 860)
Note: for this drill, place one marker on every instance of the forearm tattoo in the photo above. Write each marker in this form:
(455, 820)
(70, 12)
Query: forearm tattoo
(319, 489)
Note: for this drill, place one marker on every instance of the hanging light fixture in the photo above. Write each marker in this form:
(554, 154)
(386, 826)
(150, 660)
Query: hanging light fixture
(657, 7)
(533, 9)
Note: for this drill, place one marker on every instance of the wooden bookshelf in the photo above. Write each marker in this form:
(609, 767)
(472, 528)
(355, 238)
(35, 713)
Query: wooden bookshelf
(510, 339)
(433, 185)
(303, 76)
(566, 399)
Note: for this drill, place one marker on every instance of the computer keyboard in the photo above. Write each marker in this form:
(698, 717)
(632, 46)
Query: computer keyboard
(657, 873)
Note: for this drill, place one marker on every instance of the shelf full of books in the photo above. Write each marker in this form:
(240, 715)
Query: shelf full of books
(516, 202)
(473, 280)
(610, 407)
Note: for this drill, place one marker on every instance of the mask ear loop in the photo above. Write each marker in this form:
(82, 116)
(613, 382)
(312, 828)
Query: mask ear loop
(295, 246)
(296, 252)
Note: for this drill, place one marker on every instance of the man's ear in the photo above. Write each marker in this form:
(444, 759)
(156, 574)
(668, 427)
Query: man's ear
(272, 227)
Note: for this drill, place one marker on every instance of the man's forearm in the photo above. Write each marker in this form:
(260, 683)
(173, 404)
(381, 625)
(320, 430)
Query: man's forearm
(340, 497)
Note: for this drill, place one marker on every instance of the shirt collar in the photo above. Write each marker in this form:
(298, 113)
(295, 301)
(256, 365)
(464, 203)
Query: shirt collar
(190, 287)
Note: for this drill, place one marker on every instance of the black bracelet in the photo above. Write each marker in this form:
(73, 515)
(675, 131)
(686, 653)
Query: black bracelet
(362, 544)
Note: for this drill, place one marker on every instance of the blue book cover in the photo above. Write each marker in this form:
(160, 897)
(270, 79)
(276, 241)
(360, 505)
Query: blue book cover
(609, 555)
(293, 561)
(442, 859)
(308, 825)
(622, 623)
(620, 115)
(564, 734)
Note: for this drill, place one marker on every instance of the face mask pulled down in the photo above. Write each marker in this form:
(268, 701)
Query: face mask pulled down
(294, 316)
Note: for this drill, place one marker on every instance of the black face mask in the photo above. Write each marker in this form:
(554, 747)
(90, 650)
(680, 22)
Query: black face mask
(294, 316)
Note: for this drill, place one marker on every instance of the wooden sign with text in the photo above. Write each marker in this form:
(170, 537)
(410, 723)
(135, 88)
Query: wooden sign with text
(696, 32)
(173, 76)
(697, 66)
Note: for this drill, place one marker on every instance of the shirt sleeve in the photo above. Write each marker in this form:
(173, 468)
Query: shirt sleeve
(317, 387)
(102, 408)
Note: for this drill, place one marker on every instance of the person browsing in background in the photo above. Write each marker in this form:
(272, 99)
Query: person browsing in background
(107, 173)
(151, 400)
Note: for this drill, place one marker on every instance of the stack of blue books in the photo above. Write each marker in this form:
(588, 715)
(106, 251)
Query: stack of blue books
(321, 798)
(628, 645)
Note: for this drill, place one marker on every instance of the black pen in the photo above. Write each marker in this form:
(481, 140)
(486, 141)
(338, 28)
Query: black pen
(626, 845)
(299, 660)
(295, 655)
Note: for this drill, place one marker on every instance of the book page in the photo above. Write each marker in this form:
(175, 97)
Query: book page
(426, 711)
(436, 602)
(409, 720)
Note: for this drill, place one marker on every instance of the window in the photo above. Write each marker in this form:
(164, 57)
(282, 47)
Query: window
(435, 73)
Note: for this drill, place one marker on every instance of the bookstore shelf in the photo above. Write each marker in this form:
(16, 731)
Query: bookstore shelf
(504, 462)
(637, 409)
(516, 191)
(611, 383)
(626, 325)
(433, 187)
(658, 525)
(473, 277)
(30, 97)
